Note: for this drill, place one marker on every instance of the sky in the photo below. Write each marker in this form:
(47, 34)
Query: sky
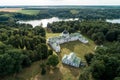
(59, 2)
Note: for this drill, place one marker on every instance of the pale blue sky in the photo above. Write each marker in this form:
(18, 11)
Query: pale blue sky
(59, 2)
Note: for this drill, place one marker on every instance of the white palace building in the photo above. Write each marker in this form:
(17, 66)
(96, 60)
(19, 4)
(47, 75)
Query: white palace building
(55, 42)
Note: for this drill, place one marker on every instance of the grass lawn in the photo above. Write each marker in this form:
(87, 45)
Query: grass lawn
(30, 12)
(62, 72)
(48, 35)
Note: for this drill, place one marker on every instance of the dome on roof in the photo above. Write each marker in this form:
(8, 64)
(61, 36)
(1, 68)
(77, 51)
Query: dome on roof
(65, 32)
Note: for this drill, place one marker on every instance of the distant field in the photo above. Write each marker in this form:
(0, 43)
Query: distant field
(74, 11)
(20, 10)
(62, 72)
(10, 9)
(30, 12)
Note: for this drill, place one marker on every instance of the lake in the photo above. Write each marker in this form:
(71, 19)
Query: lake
(113, 20)
(44, 22)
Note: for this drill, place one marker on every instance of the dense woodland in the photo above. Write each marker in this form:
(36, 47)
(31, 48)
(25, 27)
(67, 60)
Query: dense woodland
(104, 64)
(20, 44)
(19, 47)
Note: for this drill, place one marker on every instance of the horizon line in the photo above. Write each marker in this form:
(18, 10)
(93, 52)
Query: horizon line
(66, 5)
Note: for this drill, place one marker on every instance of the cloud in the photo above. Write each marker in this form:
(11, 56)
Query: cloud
(59, 2)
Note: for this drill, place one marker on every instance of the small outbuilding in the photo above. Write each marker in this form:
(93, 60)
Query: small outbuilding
(71, 60)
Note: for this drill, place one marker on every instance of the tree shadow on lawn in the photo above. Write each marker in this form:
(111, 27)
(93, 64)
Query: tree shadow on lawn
(74, 71)
(53, 74)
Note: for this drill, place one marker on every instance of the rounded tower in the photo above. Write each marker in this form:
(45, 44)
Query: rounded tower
(65, 33)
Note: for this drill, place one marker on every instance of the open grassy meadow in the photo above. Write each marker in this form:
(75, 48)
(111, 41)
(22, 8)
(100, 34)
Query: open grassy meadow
(62, 72)
(20, 10)
(74, 11)
(29, 12)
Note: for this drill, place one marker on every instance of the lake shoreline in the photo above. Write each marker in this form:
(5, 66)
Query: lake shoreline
(113, 21)
(44, 22)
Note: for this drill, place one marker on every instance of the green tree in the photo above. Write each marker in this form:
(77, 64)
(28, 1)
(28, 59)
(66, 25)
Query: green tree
(6, 64)
(42, 51)
(85, 75)
(98, 69)
(117, 78)
(18, 57)
(3, 37)
(53, 60)
(2, 48)
(98, 37)
(111, 35)
(89, 57)
(43, 70)
(26, 61)
(50, 52)
(38, 30)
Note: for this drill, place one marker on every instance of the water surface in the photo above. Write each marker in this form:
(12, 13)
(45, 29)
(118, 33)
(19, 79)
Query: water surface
(44, 22)
(113, 20)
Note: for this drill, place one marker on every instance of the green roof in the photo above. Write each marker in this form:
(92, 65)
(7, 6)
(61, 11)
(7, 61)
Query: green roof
(72, 58)
(77, 60)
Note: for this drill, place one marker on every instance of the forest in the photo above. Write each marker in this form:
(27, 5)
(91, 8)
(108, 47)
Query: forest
(19, 47)
(21, 44)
